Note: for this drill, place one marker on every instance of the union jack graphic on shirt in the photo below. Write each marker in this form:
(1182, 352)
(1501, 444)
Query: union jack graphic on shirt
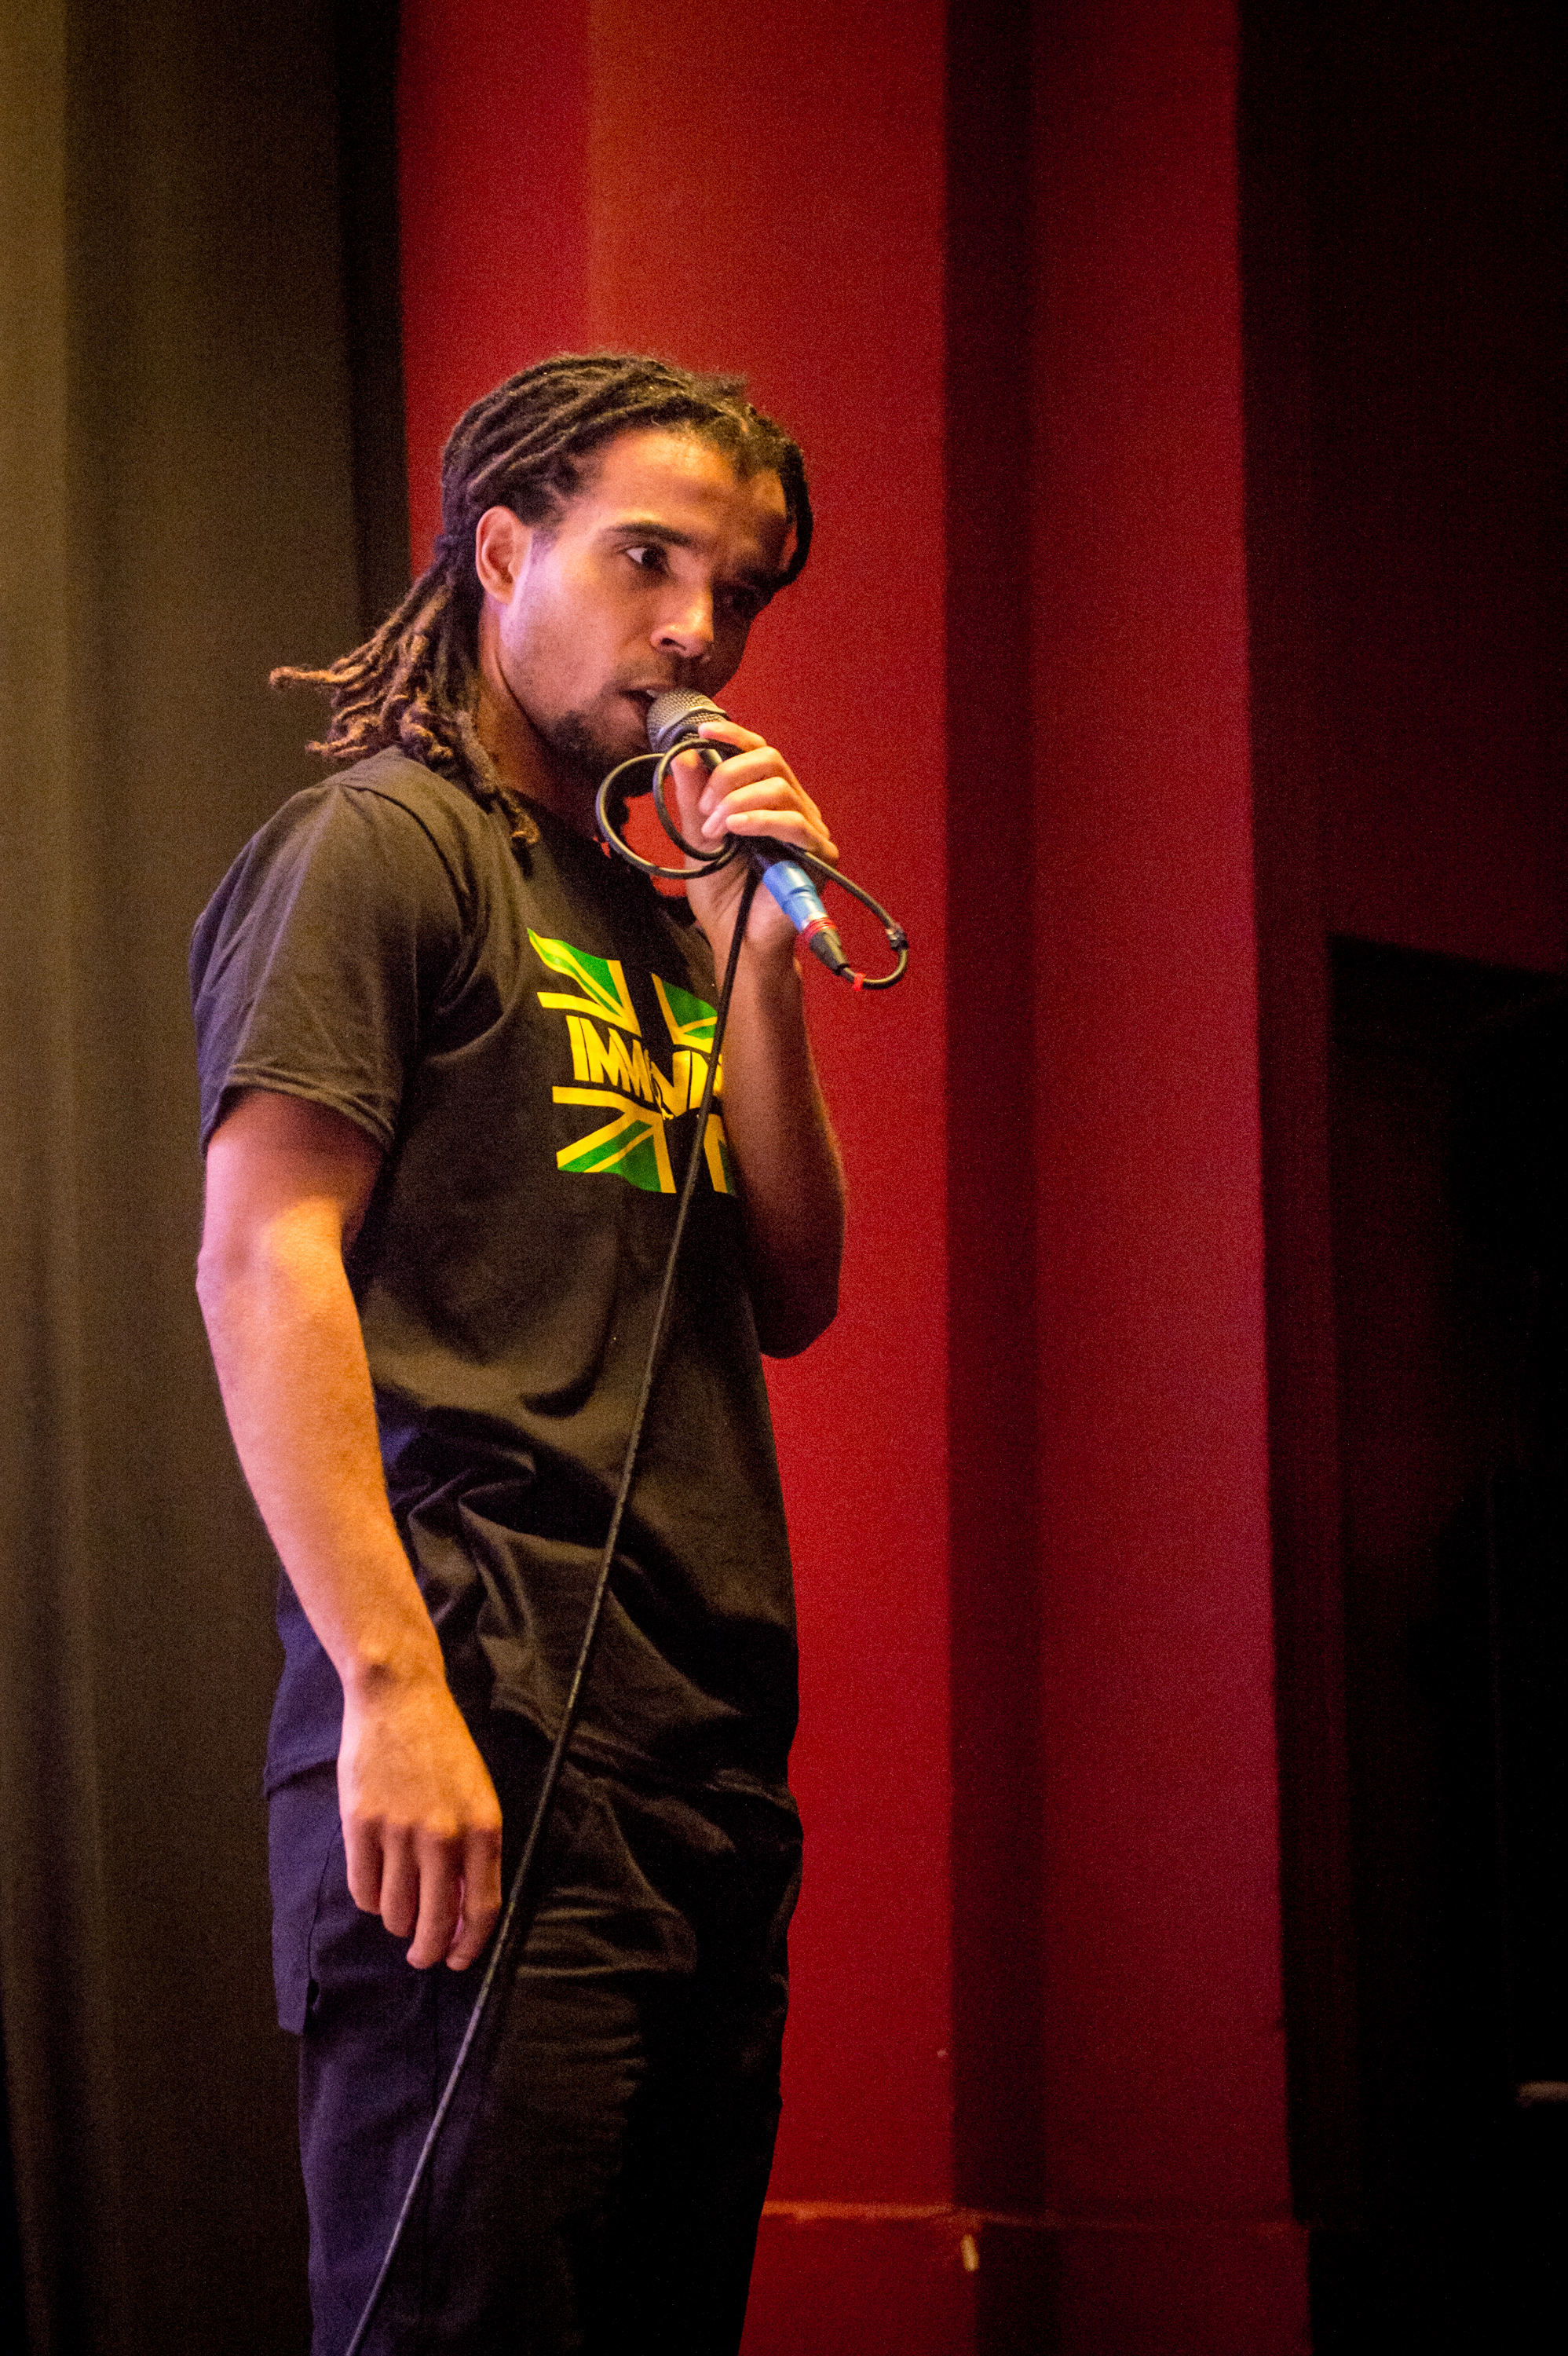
(612, 1072)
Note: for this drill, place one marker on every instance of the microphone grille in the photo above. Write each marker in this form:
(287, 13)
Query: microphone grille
(679, 712)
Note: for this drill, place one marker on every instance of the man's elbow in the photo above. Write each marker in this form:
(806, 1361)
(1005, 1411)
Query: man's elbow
(221, 1266)
(240, 1260)
(214, 1273)
(789, 1322)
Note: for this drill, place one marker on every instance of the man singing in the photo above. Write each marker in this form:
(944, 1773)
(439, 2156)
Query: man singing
(452, 1058)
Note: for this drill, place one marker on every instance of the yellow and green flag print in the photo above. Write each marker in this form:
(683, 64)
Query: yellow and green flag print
(614, 1074)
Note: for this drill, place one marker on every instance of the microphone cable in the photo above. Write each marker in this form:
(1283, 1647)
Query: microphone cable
(513, 1919)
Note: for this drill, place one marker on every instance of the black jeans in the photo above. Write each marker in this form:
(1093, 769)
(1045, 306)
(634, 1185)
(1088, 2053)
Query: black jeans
(599, 2181)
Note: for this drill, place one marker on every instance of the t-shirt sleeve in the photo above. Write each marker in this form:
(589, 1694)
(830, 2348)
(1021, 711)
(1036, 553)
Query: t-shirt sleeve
(321, 956)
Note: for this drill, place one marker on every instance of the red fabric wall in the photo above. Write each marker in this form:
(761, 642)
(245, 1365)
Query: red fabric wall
(767, 188)
(738, 203)
(1160, 1902)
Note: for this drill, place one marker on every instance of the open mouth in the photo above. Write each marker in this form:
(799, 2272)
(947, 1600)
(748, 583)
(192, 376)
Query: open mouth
(641, 699)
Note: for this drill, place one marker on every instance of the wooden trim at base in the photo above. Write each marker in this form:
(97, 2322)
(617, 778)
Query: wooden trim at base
(840, 2278)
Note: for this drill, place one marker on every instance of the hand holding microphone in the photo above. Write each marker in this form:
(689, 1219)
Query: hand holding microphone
(674, 719)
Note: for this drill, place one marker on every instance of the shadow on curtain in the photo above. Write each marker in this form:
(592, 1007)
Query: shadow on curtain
(181, 442)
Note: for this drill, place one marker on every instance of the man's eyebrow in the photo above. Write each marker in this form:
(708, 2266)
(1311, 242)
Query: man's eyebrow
(755, 577)
(649, 528)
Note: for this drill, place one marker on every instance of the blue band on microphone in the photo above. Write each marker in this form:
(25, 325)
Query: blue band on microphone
(796, 892)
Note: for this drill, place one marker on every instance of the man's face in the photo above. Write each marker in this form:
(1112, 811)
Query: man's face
(651, 579)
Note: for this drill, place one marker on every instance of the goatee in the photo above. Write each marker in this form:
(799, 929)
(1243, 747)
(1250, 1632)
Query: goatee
(587, 756)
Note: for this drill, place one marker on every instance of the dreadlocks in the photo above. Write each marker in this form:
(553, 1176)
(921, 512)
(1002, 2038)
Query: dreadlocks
(415, 683)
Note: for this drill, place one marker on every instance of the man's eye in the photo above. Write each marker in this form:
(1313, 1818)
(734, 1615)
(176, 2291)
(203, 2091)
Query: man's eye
(648, 556)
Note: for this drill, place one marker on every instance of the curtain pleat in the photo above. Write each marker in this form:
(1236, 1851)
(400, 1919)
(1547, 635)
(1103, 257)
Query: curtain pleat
(177, 486)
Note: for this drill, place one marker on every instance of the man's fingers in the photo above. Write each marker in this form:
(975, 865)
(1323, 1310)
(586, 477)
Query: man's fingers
(481, 1899)
(760, 766)
(401, 1882)
(445, 1893)
(787, 826)
(756, 793)
(440, 1903)
(785, 814)
(416, 1802)
(362, 1856)
(730, 741)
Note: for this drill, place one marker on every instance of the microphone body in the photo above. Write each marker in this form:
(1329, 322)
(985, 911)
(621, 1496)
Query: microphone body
(674, 719)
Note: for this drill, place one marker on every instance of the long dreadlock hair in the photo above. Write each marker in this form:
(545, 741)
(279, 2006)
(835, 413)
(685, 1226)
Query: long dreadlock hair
(415, 683)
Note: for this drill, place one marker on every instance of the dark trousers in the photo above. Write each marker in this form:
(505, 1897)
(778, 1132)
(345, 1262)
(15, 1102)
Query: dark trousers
(599, 2181)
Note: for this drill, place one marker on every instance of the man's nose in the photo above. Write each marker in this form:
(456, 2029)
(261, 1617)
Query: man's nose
(687, 629)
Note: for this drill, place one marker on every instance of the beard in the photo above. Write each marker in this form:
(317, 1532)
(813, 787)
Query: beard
(584, 750)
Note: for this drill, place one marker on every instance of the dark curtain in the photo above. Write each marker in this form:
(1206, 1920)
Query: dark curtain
(182, 440)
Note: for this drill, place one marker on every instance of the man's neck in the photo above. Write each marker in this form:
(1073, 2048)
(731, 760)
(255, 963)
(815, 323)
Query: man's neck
(525, 762)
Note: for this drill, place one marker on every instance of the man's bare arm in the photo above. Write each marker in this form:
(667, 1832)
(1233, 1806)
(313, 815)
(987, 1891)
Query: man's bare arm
(287, 1186)
(785, 1156)
(792, 1181)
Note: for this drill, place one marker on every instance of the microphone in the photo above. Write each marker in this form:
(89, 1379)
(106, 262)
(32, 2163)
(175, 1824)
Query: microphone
(674, 719)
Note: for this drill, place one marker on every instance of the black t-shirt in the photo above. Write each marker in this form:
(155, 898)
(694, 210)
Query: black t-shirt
(521, 1028)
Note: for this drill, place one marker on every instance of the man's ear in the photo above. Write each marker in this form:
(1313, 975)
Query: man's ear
(501, 546)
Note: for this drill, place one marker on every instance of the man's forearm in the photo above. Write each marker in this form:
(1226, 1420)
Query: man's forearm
(792, 1184)
(286, 1182)
(291, 1363)
(785, 1156)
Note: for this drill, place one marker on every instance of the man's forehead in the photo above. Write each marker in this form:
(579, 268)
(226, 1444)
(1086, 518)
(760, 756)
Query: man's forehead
(662, 480)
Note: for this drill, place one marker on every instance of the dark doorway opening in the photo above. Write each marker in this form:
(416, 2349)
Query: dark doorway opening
(1448, 1202)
